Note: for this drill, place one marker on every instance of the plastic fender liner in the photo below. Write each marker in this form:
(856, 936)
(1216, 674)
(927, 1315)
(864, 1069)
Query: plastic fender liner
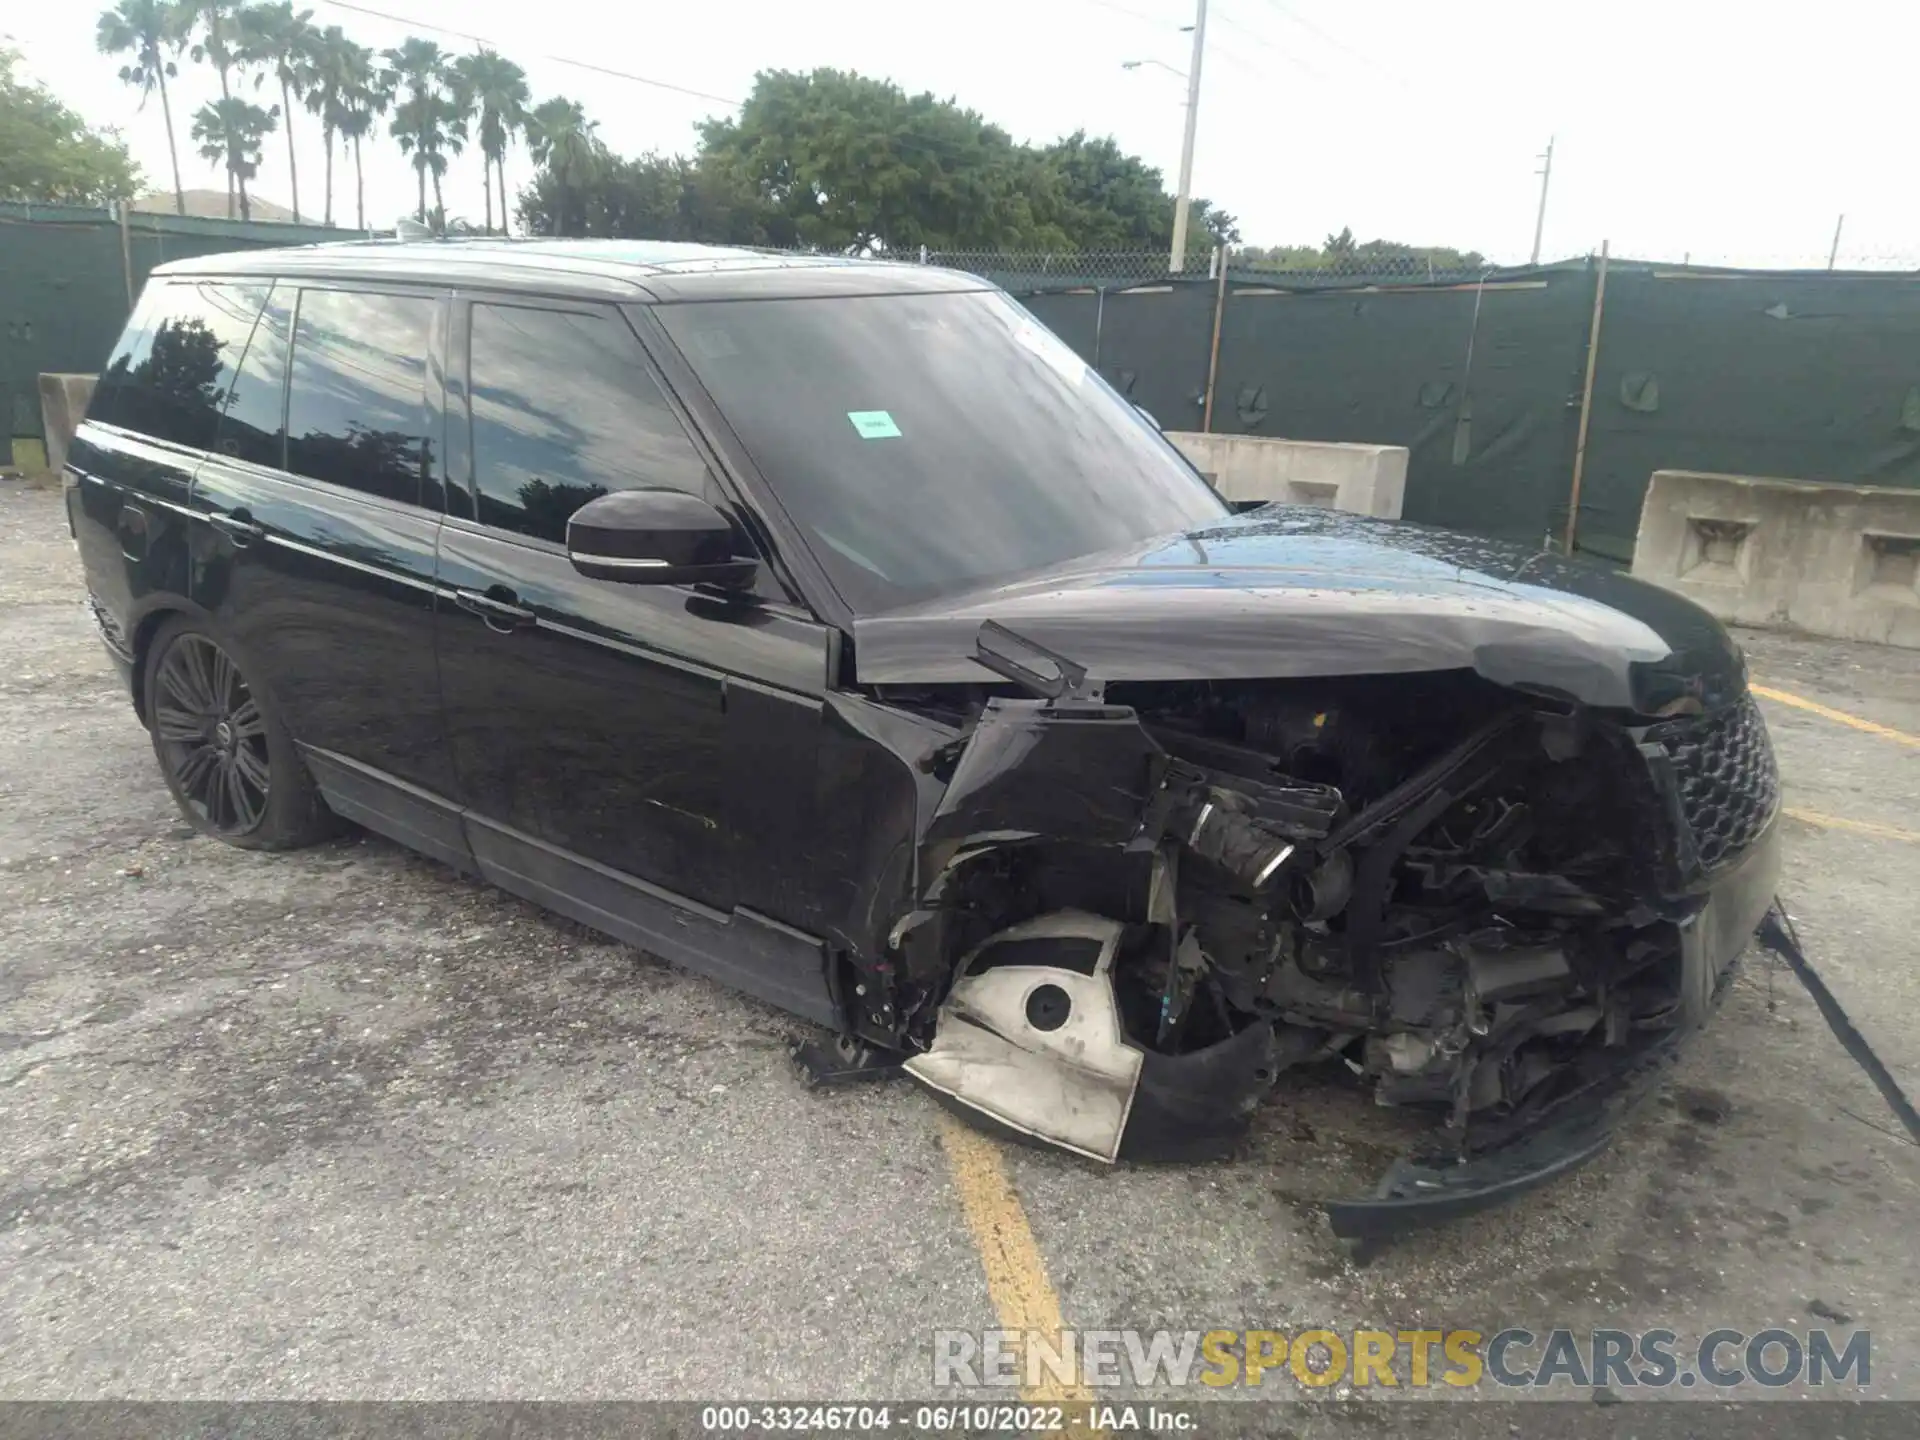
(1197, 1106)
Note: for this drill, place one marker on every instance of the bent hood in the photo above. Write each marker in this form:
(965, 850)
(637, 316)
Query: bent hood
(1296, 591)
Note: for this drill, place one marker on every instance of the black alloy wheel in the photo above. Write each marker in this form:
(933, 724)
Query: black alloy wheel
(212, 736)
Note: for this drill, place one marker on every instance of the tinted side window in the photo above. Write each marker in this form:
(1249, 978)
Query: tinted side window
(132, 348)
(251, 430)
(171, 374)
(563, 412)
(357, 407)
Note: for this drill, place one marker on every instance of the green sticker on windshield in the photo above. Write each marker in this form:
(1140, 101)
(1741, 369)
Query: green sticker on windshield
(874, 424)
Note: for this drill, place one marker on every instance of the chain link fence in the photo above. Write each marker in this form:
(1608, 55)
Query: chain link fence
(1028, 272)
(1035, 271)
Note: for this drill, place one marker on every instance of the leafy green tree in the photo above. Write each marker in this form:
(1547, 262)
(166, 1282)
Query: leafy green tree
(49, 154)
(1385, 253)
(283, 42)
(564, 142)
(492, 90)
(1342, 254)
(1110, 200)
(842, 162)
(835, 161)
(232, 132)
(148, 32)
(656, 197)
(427, 121)
(218, 26)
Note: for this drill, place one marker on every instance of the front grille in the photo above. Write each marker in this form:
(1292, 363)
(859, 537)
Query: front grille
(1724, 771)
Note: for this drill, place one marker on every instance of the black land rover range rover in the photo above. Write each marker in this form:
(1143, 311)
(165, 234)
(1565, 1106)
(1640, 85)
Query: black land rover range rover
(831, 628)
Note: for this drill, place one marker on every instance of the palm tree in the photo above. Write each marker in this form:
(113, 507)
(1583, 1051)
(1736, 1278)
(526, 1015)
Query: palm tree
(281, 40)
(147, 30)
(426, 121)
(495, 88)
(560, 137)
(339, 66)
(231, 132)
(217, 47)
(364, 97)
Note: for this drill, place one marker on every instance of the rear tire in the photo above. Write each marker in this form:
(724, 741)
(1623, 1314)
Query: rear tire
(226, 757)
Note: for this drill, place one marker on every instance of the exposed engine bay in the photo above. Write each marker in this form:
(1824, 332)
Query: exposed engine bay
(1139, 907)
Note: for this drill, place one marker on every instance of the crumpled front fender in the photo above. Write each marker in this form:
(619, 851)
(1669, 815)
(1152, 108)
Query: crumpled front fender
(1061, 770)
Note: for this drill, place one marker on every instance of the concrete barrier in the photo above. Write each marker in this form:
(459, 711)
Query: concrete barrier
(63, 401)
(1364, 479)
(1838, 560)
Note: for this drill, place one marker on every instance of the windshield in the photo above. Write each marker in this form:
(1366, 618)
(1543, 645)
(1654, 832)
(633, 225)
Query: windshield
(929, 443)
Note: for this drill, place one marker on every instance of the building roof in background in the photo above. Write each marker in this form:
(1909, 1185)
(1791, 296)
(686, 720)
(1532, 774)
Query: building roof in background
(209, 205)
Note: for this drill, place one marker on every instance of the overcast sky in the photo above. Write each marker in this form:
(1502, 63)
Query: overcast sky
(1736, 133)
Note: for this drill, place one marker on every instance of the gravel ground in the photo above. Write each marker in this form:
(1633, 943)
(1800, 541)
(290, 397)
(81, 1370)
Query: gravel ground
(341, 1124)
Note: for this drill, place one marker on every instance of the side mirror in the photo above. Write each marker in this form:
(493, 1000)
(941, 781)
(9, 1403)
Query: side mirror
(656, 537)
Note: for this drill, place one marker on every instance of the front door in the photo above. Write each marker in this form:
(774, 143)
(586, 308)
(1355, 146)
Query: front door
(596, 726)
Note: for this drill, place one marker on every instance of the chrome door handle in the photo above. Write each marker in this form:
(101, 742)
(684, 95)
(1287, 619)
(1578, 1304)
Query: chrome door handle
(238, 526)
(500, 615)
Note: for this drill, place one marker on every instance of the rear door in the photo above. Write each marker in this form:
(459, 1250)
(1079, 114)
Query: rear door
(322, 505)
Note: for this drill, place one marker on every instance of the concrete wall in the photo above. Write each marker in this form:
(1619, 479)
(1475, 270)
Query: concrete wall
(1363, 479)
(1839, 560)
(63, 402)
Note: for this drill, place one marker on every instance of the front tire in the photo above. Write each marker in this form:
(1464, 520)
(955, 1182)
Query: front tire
(230, 764)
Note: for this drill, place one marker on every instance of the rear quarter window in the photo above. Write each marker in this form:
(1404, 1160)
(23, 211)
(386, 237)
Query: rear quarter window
(171, 374)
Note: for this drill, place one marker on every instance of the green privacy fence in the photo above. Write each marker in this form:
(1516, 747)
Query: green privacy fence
(1795, 374)
(67, 275)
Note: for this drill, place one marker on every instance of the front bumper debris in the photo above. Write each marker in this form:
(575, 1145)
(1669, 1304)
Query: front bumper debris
(1418, 1191)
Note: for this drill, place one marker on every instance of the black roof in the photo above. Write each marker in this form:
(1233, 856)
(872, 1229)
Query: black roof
(643, 270)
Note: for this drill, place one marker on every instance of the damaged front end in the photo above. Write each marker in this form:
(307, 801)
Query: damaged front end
(1132, 908)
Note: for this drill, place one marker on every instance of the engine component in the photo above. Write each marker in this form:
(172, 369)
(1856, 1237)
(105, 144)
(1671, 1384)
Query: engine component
(1322, 892)
(1517, 972)
(1236, 842)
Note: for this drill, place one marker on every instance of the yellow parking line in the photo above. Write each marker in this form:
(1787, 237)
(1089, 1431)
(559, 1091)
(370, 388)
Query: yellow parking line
(1858, 827)
(1023, 1296)
(1840, 717)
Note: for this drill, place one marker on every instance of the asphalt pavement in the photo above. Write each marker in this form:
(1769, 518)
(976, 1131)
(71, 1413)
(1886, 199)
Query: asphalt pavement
(341, 1124)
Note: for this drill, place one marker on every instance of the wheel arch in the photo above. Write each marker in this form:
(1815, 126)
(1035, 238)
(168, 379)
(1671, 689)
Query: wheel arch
(151, 616)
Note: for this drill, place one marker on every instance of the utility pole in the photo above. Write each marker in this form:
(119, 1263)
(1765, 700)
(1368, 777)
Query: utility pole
(1181, 201)
(1838, 226)
(1545, 172)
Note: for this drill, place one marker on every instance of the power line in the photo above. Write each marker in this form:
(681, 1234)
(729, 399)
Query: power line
(1287, 13)
(1267, 44)
(1132, 14)
(556, 59)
